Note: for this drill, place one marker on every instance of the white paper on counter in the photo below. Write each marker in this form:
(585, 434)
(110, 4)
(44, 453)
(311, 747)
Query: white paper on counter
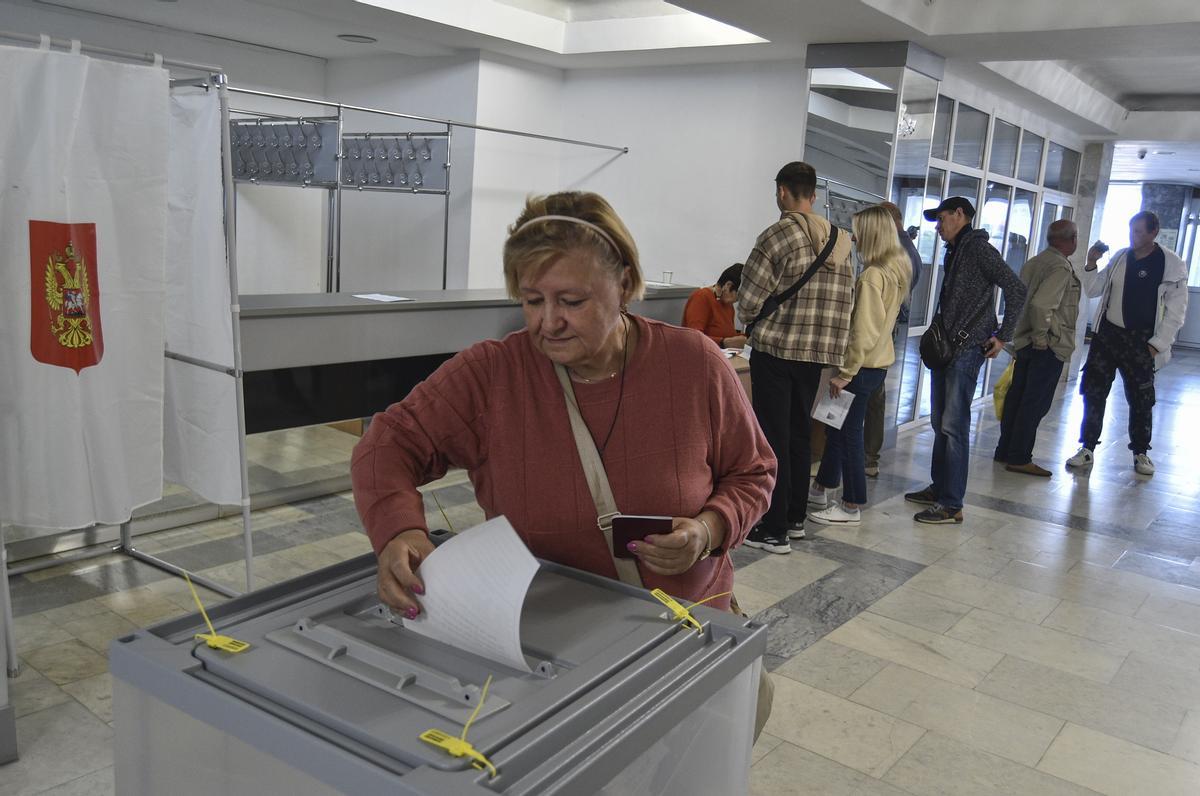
(831, 411)
(381, 297)
(475, 586)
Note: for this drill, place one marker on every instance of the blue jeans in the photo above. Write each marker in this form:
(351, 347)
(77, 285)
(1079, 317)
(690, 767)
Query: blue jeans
(952, 389)
(1035, 378)
(845, 457)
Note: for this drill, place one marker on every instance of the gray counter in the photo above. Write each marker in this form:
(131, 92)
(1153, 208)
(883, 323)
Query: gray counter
(316, 358)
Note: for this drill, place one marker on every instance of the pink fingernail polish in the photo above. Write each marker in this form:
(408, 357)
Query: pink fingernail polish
(411, 613)
(631, 547)
(418, 589)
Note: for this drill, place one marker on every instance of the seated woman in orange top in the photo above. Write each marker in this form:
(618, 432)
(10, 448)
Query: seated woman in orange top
(710, 309)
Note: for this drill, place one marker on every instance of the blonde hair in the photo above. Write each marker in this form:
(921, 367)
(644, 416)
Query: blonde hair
(879, 245)
(538, 244)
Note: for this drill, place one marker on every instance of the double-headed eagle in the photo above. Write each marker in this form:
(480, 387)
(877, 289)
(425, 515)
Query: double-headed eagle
(70, 299)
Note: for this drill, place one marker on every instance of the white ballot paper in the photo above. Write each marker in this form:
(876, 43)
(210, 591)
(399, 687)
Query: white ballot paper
(831, 411)
(381, 297)
(475, 586)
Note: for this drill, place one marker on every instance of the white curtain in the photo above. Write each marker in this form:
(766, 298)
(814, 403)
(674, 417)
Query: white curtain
(200, 435)
(83, 210)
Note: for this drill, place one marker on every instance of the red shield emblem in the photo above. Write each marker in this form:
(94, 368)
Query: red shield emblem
(65, 294)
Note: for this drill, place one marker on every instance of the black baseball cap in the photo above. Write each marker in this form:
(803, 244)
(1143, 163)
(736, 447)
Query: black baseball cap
(952, 203)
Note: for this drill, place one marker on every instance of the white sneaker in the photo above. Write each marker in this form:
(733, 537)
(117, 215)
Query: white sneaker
(796, 530)
(817, 500)
(1142, 463)
(1083, 458)
(837, 514)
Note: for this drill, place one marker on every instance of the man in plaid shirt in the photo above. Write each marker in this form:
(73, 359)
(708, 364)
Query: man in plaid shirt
(793, 344)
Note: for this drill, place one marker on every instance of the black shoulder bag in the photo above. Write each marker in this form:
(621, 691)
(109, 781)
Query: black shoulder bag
(775, 302)
(938, 347)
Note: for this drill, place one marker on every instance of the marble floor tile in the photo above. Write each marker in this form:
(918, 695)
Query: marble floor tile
(909, 549)
(1113, 766)
(833, 668)
(1072, 586)
(98, 783)
(57, 745)
(1187, 742)
(855, 736)
(36, 630)
(998, 597)
(765, 743)
(979, 562)
(974, 718)
(783, 576)
(940, 766)
(1063, 651)
(30, 692)
(1152, 676)
(751, 600)
(99, 630)
(862, 536)
(67, 662)
(790, 770)
(1164, 569)
(95, 694)
(1171, 613)
(1125, 632)
(915, 607)
(1105, 708)
(943, 657)
(1136, 580)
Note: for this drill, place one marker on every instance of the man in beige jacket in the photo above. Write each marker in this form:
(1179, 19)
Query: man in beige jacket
(1044, 339)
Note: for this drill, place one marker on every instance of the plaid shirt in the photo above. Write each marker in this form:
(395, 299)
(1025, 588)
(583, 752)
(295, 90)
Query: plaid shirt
(814, 325)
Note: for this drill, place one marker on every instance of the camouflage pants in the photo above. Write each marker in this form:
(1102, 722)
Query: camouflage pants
(1116, 349)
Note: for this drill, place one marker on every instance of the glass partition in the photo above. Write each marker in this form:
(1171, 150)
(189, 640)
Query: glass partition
(970, 133)
(1005, 137)
(994, 216)
(941, 128)
(1030, 162)
(1062, 168)
(965, 186)
(1020, 227)
(851, 126)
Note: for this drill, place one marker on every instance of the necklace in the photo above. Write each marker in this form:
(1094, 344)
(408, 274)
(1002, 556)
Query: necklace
(620, 389)
(596, 380)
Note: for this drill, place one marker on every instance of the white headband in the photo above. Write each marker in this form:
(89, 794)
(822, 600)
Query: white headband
(573, 220)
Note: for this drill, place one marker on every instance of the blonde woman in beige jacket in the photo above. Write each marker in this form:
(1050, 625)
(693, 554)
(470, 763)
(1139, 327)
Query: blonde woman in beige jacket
(878, 294)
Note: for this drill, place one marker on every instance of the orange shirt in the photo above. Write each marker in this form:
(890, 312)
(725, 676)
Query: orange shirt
(704, 311)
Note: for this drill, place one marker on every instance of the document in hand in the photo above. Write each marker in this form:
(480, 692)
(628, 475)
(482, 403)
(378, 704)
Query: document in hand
(475, 587)
(831, 411)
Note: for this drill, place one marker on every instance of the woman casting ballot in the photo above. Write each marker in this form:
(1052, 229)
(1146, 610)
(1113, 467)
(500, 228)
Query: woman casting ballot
(659, 413)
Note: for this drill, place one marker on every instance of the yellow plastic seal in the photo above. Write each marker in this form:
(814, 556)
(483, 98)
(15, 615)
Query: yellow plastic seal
(458, 746)
(684, 615)
(212, 638)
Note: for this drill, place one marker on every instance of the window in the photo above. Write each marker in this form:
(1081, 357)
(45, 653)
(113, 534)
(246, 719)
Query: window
(1049, 214)
(1062, 168)
(967, 187)
(994, 215)
(1020, 227)
(1031, 157)
(1005, 137)
(969, 135)
(941, 128)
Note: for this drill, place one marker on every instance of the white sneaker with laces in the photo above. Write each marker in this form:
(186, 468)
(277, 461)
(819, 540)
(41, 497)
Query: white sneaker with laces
(817, 500)
(1142, 463)
(1082, 458)
(836, 514)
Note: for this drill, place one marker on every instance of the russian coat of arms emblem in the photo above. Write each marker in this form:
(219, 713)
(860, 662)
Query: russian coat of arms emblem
(65, 295)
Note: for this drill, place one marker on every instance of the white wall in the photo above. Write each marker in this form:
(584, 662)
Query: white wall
(394, 242)
(697, 185)
(517, 96)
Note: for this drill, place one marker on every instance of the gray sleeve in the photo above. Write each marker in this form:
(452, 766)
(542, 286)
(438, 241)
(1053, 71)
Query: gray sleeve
(999, 274)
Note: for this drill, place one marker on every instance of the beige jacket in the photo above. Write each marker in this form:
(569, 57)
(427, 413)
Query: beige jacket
(877, 298)
(1051, 306)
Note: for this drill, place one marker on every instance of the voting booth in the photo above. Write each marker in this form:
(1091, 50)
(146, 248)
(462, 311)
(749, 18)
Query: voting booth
(333, 696)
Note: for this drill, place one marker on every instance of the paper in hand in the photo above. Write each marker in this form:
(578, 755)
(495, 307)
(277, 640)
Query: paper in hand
(475, 586)
(828, 410)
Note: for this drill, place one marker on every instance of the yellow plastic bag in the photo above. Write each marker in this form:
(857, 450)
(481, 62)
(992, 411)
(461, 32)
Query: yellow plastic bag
(1001, 389)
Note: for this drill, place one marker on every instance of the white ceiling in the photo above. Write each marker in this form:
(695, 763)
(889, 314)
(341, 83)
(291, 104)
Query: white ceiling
(1181, 166)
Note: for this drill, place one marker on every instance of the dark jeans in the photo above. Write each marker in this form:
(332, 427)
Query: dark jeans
(952, 389)
(873, 425)
(844, 458)
(1035, 378)
(1116, 349)
(783, 393)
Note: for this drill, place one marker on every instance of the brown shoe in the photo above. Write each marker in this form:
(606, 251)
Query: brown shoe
(1028, 469)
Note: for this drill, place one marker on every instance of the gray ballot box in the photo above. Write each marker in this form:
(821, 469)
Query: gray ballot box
(332, 696)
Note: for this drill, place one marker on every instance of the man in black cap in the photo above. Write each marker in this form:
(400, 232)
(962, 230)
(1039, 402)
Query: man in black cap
(973, 270)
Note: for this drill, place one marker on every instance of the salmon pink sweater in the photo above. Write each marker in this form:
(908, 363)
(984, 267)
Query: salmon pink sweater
(685, 440)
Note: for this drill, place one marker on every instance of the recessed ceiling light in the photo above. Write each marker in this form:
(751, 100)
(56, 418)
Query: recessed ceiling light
(1163, 152)
(357, 38)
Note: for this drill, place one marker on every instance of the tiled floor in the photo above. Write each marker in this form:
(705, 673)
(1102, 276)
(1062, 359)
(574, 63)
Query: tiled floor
(1050, 644)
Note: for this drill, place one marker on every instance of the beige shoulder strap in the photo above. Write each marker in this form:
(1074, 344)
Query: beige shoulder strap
(597, 480)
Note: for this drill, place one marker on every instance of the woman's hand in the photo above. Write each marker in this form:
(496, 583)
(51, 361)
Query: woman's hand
(398, 562)
(675, 552)
(836, 385)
